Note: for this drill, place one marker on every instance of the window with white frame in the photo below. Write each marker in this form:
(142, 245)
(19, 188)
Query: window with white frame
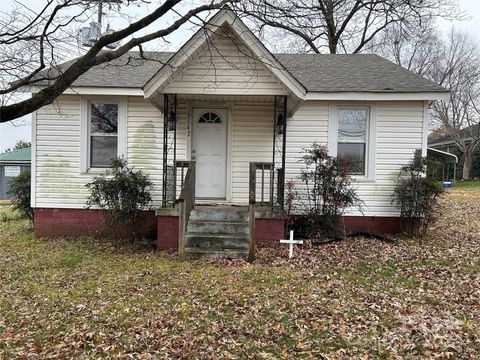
(352, 138)
(103, 134)
(103, 131)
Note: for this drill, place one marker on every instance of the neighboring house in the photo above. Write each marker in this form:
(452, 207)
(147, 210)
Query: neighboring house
(238, 111)
(445, 143)
(12, 163)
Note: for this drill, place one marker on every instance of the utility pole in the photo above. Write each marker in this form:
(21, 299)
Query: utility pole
(99, 15)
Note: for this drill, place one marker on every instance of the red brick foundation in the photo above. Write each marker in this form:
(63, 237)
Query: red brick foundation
(87, 222)
(374, 224)
(82, 222)
(167, 232)
(269, 230)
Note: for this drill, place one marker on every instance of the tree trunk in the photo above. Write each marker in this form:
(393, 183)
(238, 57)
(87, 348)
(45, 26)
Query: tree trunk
(467, 164)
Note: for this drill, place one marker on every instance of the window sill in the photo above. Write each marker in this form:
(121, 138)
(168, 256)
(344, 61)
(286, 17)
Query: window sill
(96, 171)
(362, 179)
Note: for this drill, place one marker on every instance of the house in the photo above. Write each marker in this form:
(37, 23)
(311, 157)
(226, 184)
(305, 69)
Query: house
(446, 143)
(12, 163)
(444, 149)
(219, 126)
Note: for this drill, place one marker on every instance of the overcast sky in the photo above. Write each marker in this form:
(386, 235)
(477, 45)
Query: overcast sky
(21, 129)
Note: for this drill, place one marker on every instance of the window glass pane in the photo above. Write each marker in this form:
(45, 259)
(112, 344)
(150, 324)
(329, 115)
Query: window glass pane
(104, 118)
(210, 117)
(353, 156)
(352, 125)
(103, 150)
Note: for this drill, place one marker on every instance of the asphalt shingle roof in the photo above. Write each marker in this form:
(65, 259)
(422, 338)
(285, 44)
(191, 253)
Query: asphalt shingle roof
(353, 72)
(316, 72)
(24, 154)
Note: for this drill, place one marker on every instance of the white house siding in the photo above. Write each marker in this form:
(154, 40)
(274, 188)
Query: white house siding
(226, 68)
(59, 181)
(145, 140)
(308, 125)
(399, 134)
(60, 184)
(251, 142)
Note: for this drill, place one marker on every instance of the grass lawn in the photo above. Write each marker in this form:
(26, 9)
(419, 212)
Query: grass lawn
(77, 298)
(473, 184)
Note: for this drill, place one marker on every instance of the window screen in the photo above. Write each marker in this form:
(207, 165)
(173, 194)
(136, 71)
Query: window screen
(103, 134)
(352, 139)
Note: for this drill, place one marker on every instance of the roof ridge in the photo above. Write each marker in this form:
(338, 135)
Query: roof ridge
(16, 150)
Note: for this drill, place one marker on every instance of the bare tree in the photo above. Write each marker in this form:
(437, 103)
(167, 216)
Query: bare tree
(452, 61)
(347, 26)
(458, 69)
(419, 51)
(32, 41)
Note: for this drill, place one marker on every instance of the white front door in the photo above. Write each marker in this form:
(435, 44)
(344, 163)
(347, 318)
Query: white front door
(209, 150)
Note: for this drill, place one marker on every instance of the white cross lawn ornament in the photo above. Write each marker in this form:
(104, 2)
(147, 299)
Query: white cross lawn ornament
(291, 242)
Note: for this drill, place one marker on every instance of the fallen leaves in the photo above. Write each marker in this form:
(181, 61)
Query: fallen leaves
(358, 298)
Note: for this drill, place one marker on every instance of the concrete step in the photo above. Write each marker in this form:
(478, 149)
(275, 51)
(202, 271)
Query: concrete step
(198, 253)
(218, 227)
(216, 232)
(216, 241)
(229, 214)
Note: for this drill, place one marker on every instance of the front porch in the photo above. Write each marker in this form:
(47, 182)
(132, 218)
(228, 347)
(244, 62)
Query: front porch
(225, 100)
(217, 200)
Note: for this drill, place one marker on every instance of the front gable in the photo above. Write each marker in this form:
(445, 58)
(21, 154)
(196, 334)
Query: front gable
(223, 65)
(224, 57)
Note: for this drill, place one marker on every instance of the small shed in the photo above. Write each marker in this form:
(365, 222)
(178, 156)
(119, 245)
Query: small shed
(12, 163)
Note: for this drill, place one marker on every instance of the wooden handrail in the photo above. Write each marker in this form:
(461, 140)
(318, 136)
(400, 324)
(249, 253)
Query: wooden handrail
(186, 203)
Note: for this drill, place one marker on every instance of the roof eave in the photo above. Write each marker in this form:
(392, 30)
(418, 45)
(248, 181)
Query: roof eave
(96, 90)
(378, 96)
(15, 161)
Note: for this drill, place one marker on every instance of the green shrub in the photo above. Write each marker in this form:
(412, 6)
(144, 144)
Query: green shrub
(416, 195)
(123, 194)
(329, 192)
(19, 188)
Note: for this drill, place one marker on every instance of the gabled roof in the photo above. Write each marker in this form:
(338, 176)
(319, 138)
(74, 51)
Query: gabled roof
(19, 155)
(224, 18)
(316, 72)
(464, 133)
(312, 73)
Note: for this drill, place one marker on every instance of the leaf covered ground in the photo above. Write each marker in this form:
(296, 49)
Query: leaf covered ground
(77, 298)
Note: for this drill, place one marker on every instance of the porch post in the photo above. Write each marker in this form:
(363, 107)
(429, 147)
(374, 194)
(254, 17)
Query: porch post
(165, 150)
(174, 152)
(279, 123)
(272, 170)
(169, 175)
(281, 179)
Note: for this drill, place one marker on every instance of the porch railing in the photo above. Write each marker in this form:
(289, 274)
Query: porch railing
(262, 192)
(186, 203)
(181, 169)
(267, 178)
